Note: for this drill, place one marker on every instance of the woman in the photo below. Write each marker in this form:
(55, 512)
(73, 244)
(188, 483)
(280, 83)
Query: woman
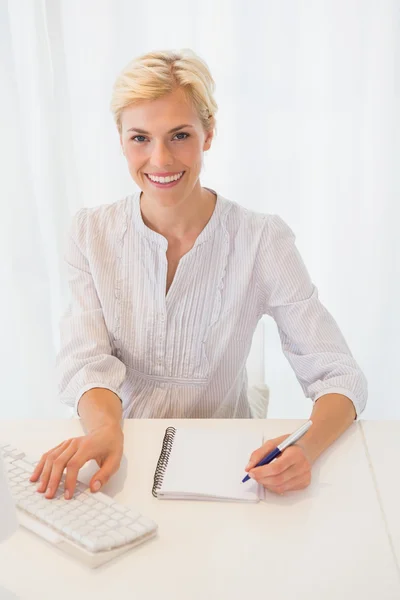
(167, 286)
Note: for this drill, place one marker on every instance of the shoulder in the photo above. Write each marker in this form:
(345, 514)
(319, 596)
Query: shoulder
(105, 220)
(267, 227)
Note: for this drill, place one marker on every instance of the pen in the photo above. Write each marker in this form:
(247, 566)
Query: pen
(292, 439)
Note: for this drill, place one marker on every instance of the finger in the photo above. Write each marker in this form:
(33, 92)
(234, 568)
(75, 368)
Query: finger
(63, 460)
(292, 456)
(296, 483)
(75, 463)
(262, 451)
(47, 461)
(48, 468)
(39, 467)
(279, 480)
(301, 483)
(109, 467)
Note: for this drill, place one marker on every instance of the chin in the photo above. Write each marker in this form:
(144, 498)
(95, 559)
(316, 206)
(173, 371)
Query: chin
(168, 197)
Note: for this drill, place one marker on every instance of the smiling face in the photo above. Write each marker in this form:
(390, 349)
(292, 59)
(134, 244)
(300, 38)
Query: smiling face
(163, 141)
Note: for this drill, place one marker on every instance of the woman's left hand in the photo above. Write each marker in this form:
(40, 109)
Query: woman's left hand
(290, 471)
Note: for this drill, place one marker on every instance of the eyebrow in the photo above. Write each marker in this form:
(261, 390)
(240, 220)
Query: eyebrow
(170, 131)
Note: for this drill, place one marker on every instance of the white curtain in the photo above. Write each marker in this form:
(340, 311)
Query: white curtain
(308, 128)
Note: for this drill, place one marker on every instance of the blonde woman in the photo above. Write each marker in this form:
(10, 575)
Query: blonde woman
(167, 286)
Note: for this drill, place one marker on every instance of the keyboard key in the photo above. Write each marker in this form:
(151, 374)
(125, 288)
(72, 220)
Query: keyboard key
(91, 543)
(90, 501)
(112, 523)
(127, 533)
(105, 542)
(138, 529)
(102, 518)
(68, 529)
(80, 510)
(121, 509)
(119, 538)
(145, 522)
(86, 530)
(94, 522)
(104, 498)
(133, 515)
(25, 466)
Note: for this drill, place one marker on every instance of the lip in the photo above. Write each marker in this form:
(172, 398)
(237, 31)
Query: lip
(165, 174)
(165, 185)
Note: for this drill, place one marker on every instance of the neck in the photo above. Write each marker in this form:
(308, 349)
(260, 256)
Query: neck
(184, 219)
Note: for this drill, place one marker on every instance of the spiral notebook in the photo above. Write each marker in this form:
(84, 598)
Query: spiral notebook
(204, 464)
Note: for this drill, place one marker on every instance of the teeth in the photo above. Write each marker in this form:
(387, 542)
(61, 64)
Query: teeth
(165, 179)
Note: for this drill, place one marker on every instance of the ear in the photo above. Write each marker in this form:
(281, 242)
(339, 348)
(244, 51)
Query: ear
(122, 145)
(208, 140)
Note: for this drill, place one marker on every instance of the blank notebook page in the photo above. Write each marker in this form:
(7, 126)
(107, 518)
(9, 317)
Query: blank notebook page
(210, 464)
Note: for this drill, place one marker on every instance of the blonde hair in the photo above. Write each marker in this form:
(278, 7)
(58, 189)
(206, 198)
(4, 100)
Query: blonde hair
(158, 73)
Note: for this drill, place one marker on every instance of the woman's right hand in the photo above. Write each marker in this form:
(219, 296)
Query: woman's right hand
(104, 445)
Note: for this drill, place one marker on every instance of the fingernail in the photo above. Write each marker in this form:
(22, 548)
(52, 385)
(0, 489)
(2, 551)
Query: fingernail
(248, 465)
(48, 492)
(251, 475)
(66, 495)
(96, 486)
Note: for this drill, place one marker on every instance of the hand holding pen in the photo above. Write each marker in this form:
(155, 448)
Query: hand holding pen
(291, 470)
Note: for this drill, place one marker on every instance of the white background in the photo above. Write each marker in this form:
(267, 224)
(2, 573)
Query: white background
(308, 128)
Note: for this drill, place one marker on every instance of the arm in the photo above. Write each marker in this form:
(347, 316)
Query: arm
(318, 354)
(85, 360)
(100, 407)
(331, 416)
(89, 377)
(311, 339)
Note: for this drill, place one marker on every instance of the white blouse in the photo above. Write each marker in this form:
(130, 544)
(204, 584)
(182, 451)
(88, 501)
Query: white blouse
(184, 354)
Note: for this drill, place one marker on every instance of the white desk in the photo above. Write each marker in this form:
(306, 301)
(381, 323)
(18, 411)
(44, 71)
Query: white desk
(382, 439)
(327, 542)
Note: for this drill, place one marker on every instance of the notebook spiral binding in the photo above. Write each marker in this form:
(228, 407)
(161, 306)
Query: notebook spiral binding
(163, 459)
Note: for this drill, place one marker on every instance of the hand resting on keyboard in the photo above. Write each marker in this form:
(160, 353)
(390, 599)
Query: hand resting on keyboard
(104, 445)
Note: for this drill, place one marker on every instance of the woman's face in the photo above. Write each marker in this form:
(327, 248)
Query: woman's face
(164, 138)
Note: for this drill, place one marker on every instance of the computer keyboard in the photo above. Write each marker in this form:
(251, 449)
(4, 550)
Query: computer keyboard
(92, 527)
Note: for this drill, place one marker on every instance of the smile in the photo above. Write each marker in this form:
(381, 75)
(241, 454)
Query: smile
(165, 181)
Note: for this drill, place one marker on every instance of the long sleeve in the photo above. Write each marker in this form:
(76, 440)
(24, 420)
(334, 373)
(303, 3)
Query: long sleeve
(85, 359)
(310, 338)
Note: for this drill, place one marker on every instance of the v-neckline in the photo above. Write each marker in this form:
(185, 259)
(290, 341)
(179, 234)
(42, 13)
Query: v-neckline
(160, 240)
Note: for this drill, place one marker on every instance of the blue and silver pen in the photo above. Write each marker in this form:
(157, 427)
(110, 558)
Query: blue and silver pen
(292, 439)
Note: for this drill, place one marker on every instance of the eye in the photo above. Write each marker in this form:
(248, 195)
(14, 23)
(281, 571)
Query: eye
(135, 138)
(182, 133)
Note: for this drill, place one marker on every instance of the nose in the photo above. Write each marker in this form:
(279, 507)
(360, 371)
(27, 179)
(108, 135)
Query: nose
(161, 156)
